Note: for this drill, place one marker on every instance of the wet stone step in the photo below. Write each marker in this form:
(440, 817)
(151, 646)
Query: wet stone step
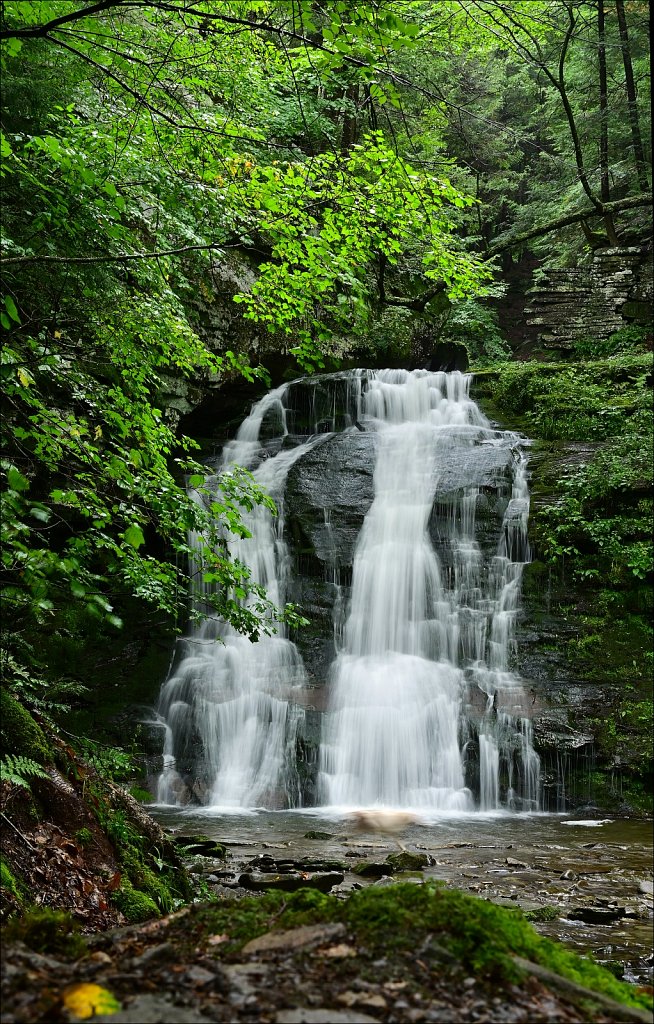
(262, 882)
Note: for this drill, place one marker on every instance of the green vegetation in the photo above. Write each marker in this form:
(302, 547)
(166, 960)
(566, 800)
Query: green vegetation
(151, 882)
(136, 906)
(480, 935)
(48, 931)
(195, 192)
(20, 734)
(12, 885)
(591, 526)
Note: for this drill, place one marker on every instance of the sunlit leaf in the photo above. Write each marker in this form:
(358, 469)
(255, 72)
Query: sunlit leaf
(88, 1000)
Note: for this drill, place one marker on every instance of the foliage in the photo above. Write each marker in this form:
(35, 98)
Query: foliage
(373, 205)
(482, 936)
(18, 770)
(112, 763)
(627, 340)
(47, 931)
(144, 796)
(475, 325)
(604, 510)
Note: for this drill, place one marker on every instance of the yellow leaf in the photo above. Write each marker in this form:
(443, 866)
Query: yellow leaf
(97, 432)
(24, 377)
(88, 1000)
(57, 334)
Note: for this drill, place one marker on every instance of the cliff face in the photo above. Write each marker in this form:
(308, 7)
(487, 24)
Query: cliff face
(614, 290)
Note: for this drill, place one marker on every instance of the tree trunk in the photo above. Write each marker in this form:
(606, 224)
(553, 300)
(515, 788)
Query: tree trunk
(350, 131)
(634, 123)
(605, 190)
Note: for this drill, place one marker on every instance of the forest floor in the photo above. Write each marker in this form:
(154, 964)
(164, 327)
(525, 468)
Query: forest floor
(171, 970)
(256, 952)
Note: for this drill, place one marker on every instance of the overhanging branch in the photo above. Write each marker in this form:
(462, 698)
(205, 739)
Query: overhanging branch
(618, 206)
(118, 258)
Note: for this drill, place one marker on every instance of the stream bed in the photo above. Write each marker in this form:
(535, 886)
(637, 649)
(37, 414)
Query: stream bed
(584, 882)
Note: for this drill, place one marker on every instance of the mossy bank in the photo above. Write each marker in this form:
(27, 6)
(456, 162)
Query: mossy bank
(585, 647)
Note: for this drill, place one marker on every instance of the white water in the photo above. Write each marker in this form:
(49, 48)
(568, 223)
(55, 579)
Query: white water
(235, 695)
(423, 706)
(393, 733)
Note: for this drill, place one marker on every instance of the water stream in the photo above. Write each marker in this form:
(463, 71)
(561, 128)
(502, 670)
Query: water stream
(422, 709)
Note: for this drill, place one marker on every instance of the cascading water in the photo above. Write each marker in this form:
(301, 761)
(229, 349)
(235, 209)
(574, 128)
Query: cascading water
(231, 695)
(392, 734)
(422, 708)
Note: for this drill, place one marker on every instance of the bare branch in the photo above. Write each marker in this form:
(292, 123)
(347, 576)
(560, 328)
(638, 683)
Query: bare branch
(118, 258)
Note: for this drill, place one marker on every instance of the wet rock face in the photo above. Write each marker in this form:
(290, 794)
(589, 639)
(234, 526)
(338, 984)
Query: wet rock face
(328, 494)
(594, 301)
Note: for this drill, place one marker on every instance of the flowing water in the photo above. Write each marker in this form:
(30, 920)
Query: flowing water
(422, 708)
(531, 861)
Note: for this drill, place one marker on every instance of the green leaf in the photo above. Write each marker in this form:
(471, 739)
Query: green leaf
(13, 47)
(10, 306)
(133, 535)
(43, 514)
(16, 480)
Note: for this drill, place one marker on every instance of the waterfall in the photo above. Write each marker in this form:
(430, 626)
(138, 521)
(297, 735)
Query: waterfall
(231, 696)
(422, 709)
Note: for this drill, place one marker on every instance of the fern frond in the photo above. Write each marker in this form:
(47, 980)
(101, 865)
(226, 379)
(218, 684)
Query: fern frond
(18, 769)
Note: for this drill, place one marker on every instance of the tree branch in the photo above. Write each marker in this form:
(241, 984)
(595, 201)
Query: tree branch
(420, 303)
(112, 259)
(36, 31)
(618, 206)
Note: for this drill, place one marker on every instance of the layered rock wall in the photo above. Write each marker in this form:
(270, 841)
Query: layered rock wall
(572, 304)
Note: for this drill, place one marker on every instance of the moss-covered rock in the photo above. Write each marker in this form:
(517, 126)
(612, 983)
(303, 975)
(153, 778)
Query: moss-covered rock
(407, 861)
(19, 733)
(48, 931)
(137, 906)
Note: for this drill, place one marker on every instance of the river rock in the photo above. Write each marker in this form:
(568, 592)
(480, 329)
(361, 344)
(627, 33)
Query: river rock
(200, 846)
(368, 869)
(406, 861)
(596, 915)
(293, 939)
(153, 1009)
(291, 882)
(304, 1015)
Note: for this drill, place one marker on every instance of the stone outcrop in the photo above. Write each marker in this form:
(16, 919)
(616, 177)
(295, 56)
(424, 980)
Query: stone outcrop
(572, 304)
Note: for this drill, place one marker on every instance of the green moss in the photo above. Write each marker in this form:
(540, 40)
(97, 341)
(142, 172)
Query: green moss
(135, 905)
(11, 884)
(481, 935)
(19, 733)
(144, 796)
(48, 931)
(543, 914)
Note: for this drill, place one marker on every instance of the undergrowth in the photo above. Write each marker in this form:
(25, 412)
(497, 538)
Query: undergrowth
(483, 937)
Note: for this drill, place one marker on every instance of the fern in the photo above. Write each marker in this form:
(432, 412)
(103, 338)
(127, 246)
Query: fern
(18, 769)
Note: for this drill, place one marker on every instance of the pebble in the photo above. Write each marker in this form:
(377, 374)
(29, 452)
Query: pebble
(304, 1015)
(150, 1009)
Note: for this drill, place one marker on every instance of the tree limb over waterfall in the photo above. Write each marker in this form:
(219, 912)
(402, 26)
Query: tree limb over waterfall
(630, 203)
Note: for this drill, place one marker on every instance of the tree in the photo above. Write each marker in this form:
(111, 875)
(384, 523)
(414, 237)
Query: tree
(146, 146)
